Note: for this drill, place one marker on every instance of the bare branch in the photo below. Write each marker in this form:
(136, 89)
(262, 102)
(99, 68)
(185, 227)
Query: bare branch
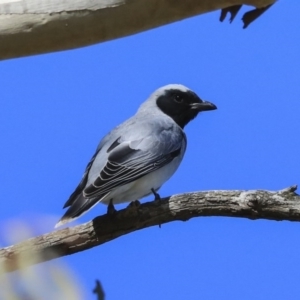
(30, 27)
(98, 290)
(256, 204)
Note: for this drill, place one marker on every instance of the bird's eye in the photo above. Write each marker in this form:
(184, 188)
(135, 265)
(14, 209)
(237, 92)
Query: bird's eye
(178, 99)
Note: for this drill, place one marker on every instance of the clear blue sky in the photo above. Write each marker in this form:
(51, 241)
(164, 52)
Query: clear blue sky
(56, 107)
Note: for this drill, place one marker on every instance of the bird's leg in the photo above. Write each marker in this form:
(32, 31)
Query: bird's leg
(110, 208)
(157, 200)
(156, 195)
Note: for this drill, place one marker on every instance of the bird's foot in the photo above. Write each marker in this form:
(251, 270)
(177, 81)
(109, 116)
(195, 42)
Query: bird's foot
(156, 195)
(111, 211)
(157, 200)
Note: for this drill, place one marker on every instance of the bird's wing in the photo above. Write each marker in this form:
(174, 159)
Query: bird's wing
(85, 175)
(128, 161)
(82, 183)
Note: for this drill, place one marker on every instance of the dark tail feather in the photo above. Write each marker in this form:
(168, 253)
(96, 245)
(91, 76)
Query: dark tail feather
(75, 195)
(80, 206)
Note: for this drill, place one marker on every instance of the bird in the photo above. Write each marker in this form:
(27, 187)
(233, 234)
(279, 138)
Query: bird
(137, 157)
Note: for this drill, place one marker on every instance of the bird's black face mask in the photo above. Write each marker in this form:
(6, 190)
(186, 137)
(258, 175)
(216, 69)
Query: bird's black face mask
(182, 106)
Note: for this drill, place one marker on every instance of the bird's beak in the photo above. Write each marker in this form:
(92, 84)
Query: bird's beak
(203, 106)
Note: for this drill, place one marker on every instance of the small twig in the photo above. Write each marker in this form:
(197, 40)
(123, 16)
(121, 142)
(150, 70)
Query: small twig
(98, 290)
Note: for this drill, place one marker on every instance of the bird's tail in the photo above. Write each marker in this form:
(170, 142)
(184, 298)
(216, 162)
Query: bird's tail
(79, 207)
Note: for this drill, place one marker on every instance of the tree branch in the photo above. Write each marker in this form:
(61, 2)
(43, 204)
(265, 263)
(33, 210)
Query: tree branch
(257, 204)
(98, 290)
(30, 27)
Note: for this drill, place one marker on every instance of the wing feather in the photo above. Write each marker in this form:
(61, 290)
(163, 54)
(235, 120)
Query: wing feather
(119, 171)
(82, 183)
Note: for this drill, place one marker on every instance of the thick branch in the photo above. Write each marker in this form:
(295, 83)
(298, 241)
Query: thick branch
(30, 27)
(281, 205)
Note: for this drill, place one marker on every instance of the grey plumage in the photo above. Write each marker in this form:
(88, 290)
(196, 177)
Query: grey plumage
(139, 155)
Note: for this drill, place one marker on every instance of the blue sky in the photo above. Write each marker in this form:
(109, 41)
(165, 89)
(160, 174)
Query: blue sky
(56, 107)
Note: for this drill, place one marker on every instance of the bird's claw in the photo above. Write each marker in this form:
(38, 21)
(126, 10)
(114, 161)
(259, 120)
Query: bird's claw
(111, 211)
(156, 195)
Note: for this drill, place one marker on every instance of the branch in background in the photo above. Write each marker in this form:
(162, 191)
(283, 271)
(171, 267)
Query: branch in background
(256, 204)
(232, 10)
(31, 27)
(98, 290)
(248, 17)
(252, 15)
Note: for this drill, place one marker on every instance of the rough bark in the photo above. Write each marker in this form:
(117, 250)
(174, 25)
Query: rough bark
(30, 27)
(256, 204)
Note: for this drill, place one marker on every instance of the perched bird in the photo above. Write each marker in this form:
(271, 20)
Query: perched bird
(137, 157)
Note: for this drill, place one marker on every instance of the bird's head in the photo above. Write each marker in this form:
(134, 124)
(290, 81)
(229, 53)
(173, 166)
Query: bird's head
(180, 103)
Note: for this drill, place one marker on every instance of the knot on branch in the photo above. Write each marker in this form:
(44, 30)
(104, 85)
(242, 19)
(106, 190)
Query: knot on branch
(256, 201)
(255, 204)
